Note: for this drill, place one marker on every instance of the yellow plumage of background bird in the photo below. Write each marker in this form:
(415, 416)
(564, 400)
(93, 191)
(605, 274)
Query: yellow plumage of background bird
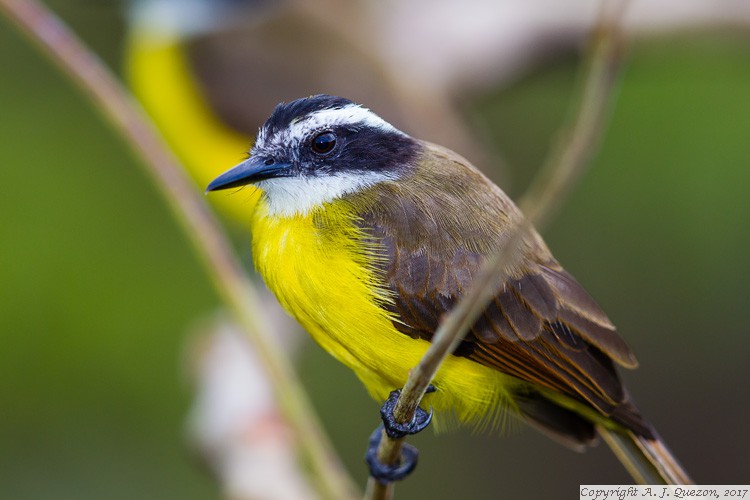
(177, 105)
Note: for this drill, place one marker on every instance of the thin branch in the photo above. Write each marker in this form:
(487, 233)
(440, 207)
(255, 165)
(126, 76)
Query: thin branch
(546, 194)
(580, 139)
(208, 240)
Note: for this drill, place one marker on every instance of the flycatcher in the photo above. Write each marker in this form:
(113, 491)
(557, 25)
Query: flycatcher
(368, 237)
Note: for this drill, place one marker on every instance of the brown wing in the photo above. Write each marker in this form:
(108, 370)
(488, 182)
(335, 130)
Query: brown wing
(542, 327)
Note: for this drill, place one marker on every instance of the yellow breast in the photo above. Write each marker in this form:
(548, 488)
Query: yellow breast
(320, 267)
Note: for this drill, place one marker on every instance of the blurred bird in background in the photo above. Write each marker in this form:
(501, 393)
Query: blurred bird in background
(207, 71)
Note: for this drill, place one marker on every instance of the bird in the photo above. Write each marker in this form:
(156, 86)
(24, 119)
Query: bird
(368, 237)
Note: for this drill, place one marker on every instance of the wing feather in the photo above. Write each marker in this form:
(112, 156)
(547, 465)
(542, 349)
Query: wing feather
(542, 327)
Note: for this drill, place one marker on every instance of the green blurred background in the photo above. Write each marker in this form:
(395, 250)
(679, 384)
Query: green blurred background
(99, 286)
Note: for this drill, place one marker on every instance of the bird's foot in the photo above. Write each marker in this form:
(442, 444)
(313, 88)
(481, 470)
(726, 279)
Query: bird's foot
(388, 473)
(396, 429)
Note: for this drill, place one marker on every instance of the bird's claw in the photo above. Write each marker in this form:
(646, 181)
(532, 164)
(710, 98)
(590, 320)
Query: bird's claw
(396, 429)
(388, 473)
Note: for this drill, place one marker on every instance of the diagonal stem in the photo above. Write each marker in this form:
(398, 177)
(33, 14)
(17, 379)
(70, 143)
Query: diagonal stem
(566, 163)
(90, 75)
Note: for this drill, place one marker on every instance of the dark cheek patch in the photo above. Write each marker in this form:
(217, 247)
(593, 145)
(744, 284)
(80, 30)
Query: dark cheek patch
(361, 150)
(372, 150)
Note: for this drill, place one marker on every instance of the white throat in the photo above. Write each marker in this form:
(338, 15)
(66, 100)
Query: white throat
(297, 196)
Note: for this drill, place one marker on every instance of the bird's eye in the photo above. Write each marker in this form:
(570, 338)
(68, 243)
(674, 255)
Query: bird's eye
(324, 143)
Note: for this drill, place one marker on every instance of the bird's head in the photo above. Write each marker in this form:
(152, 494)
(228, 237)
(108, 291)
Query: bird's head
(317, 149)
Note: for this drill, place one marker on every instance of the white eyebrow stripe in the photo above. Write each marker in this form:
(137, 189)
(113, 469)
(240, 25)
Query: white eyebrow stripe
(352, 114)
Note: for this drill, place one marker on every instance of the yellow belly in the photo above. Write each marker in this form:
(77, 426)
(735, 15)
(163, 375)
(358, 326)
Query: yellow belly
(321, 272)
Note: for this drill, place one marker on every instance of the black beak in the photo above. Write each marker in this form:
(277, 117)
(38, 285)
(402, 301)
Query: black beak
(253, 169)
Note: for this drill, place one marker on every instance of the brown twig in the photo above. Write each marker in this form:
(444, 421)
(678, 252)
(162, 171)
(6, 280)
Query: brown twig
(554, 182)
(90, 75)
(580, 139)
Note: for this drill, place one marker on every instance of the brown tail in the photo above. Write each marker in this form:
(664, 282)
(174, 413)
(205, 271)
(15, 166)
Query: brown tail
(649, 461)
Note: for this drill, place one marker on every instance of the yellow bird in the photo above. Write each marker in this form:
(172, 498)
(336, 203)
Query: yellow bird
(368, 237)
